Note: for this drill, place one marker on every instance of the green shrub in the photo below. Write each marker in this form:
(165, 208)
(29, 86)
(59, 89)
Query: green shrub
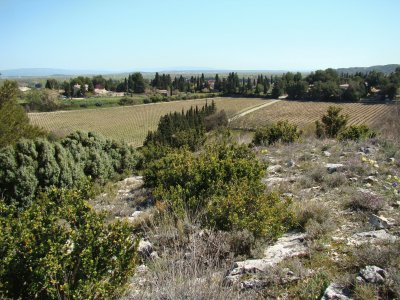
(182, 129)
(126, 101)
(35, 164)
(244, 207)
(283, 132)
(59, 248)
(221, 186)
(357, 133)
(14, 122)
(332, 123)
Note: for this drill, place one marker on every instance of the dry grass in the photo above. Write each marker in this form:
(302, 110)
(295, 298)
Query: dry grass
(191, 265)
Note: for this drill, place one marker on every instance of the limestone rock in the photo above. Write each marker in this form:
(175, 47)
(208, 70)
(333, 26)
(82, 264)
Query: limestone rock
(327, 153)
(333, 167)
(274, 168)
(372, 274)
(371, 237)
(380, 222)
(289, 245)
(335, 291)
(145, 248)
(371, 179)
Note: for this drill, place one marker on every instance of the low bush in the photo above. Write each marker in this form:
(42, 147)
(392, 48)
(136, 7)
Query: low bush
(364, 201)
(357, 133)
(126, 101)
(59, 248)
(332, 123)
(38, 164)
(222, 186)
(283, 132)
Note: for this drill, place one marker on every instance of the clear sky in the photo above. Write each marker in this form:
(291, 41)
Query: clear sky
(220, 34)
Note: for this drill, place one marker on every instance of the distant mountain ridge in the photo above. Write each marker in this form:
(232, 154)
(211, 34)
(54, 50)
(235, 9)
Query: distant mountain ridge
(42, 72)
(47, 72)
(386, 69)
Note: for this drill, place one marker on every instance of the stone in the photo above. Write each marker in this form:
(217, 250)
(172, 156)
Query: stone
(372, 237)
(327, 153)
(366, 191)
(136, 213)
(335, 291)
(353, 179)
(274, 169)
(142, 269)
(252, 284)
(290, 163)
(367, 150)
(371, 179)
(391, 160)
(333, 167)
(373, 274)
(154, 255)
(380, 222)
(145, 248)
(289, 245)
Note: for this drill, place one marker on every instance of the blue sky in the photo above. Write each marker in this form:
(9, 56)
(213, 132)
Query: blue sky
(220, 34)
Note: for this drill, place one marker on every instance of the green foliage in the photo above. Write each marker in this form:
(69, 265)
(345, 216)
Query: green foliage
(391, 90)
(8, 92)
(60, 248)
(333, 123)
(182, 129)
(354, 92)
(221, 185)
(14, 123)
(247, 207)
(283, 132)
(37, 164)
(357, 133)
(297, 89)
(43, 100)
(216, 120)
(276, 91)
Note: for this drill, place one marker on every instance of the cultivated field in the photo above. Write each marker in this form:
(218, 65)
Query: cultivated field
(304, 114)
(130, 123)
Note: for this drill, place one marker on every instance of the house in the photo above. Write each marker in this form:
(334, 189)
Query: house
(101, 91)
(24, 89)
(163, 92)
(344, 86)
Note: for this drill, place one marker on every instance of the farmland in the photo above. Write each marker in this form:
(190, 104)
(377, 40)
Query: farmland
(304, 114)
(129, 123)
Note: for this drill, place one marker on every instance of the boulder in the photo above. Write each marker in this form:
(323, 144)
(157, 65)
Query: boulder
(333, 167)
(327, 153)
(290, 163)
(335, 291)
(274, 168)
(372, 237)
(289, 245)
(145, 248)
(372, 274)
(371, 179)
(380, 222)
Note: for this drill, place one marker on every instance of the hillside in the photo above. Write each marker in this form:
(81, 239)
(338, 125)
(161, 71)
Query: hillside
(345, 199)
(386, 69)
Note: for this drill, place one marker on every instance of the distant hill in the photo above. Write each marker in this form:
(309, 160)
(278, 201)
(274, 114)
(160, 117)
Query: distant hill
(44, 72)
(387, 69)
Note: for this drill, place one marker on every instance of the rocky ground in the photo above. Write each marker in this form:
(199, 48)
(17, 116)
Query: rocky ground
(345, 199)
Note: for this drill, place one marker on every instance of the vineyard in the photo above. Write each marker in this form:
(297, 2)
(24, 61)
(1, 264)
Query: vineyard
(129, 123)
(304, 114)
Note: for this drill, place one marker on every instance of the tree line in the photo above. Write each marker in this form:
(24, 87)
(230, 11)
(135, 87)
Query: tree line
(186, 128)
(325, 85)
